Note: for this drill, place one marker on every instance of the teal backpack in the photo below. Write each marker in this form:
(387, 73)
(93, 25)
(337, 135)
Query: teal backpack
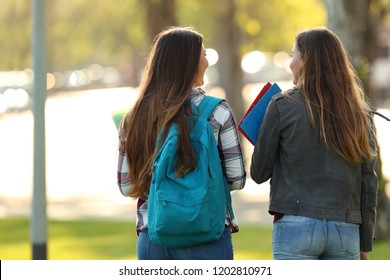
(190, 210)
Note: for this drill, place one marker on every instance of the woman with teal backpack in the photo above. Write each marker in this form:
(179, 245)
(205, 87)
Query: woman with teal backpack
(170, 93)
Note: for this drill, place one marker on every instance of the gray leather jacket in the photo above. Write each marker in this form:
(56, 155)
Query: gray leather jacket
(307, 179)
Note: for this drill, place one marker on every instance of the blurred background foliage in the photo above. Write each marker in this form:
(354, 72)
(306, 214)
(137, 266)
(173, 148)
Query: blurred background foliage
(115, 32)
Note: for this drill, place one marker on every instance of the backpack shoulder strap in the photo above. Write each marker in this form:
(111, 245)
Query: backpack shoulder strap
(207, 105)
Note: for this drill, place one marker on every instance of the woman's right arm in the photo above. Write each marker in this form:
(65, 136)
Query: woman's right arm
(230, 147)
(123, 173)
(123, 180)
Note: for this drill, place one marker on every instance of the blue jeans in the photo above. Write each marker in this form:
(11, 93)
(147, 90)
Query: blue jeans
(221, 249)
(303, 238)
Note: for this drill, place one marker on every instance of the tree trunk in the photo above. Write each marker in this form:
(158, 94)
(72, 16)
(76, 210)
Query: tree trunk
(352, 22)
(160, 14)
(229, 64)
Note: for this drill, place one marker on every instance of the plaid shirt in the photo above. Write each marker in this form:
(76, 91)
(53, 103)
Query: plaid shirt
(225, 132)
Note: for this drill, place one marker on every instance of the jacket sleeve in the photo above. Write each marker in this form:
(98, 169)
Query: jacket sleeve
(266, 148)
(369, 189)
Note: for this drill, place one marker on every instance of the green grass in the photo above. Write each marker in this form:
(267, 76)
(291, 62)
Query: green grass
(114, 240)
(70, 240)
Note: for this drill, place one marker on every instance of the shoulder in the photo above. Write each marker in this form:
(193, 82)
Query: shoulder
(287, 97)
(222, 113)
(197, 95)
(286, 94)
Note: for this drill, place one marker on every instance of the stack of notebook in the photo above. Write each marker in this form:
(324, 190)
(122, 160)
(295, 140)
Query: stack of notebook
(250, 124)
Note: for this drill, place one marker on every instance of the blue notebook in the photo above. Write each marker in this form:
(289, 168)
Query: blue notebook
(250, 124)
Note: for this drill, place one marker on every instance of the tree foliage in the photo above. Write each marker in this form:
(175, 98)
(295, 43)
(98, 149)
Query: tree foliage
(15, 33)
(116, 32)
(272, 25)
(79, 32)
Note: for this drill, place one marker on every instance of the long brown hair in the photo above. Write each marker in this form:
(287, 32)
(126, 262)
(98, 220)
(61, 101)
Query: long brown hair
(333, 92)
(169, 74)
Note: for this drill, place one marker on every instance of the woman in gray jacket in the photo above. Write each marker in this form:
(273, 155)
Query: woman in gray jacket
(317, 143)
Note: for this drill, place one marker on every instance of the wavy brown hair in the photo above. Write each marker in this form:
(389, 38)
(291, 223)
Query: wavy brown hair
(333, 93)
(169, 74)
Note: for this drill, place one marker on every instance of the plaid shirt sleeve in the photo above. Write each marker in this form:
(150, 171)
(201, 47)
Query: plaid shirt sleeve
(123, 169)
(229, 145)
